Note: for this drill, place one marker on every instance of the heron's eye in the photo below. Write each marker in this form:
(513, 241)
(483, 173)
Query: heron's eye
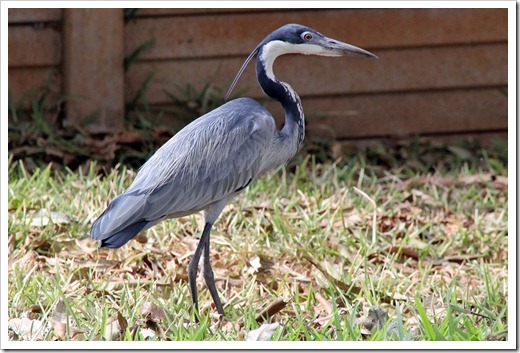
(307, 36)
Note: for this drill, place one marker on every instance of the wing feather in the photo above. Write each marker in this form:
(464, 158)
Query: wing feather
(221, 158)
(208, 160)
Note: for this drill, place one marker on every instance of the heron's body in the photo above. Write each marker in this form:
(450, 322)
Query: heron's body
(191, 173)
(218, 155)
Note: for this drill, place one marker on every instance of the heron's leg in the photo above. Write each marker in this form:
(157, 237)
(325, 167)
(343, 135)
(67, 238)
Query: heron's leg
(209, 278)
(193, 266)
(210, 216)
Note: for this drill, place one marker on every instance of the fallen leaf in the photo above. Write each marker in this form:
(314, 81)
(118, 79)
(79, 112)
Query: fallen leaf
(60, 329)
(263, 333)
(229, 326)
(59, 320)
(326, 319)
(152, 311)
(60, 313)
(27, 329)
(147, 332)
(405, 251)
(35, 311)
(123, 324)
(255, 264)
(43, 217)
(116, 325)
(324, 303)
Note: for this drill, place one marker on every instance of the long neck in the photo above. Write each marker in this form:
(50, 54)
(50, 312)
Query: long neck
(294, 128)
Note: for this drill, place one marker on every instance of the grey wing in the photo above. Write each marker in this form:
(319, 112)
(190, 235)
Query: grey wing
(212, 158)
(222, 158)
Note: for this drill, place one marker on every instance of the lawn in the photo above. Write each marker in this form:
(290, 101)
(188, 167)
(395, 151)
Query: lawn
(368, 247)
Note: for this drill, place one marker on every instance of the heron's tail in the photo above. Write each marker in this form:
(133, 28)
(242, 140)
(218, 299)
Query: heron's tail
(122, 237)
(119, 223)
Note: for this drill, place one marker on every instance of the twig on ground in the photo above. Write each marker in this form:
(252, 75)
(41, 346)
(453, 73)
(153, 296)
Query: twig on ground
(271, 310)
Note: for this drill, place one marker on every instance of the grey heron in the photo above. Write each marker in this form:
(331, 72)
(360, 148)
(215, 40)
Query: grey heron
(215, 157)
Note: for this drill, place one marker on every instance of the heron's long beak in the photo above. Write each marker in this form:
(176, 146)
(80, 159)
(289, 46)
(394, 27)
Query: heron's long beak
(337, 48)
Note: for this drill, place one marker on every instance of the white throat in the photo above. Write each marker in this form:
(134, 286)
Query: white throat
(276, 48)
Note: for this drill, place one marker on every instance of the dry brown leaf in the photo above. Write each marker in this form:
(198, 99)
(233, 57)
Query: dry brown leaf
(152, 311)
(34, 311)
(115, 327)
(60, 330)
(324, 302)
(405, 251)
(123, 324)
(59, 320)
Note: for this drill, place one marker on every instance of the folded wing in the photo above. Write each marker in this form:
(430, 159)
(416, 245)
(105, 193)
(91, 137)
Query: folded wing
(212, 158)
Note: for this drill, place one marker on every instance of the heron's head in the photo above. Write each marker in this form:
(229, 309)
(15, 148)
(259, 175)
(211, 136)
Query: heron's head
(299, 39)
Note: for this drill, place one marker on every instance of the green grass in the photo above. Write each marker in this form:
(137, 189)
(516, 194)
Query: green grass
(437, 271)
